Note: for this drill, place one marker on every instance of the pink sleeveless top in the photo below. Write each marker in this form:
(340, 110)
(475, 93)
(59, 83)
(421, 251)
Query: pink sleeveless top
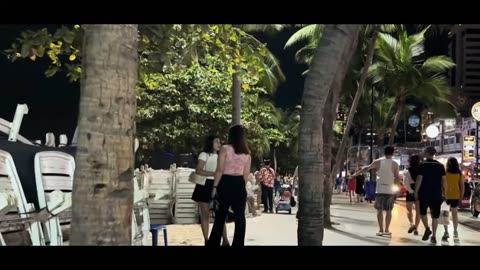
(234, 164)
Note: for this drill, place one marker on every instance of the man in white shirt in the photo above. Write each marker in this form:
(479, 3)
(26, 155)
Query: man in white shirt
(388, 179)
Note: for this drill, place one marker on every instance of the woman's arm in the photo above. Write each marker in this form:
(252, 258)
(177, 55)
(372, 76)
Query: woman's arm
(202, 159)
(246, 169)
(220, 167)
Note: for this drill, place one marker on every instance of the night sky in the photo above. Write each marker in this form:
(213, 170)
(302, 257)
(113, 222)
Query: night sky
(53, 102)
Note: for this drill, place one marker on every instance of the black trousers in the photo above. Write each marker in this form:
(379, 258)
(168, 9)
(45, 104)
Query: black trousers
(267, 198)
(231, 193)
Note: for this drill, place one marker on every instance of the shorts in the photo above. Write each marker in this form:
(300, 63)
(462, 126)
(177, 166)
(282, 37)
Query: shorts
(434, 206)
(453, 203)
(410, 197)
(384, 201)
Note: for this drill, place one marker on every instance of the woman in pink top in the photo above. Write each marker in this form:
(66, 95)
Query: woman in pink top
(233, 168)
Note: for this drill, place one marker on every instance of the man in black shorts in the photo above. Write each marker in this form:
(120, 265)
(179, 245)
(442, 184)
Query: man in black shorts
(430, 189)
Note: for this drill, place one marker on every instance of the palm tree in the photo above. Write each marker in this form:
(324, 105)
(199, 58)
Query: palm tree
(271, 64)
(400, 69)
(329, 56)
(311, 34)
(103, 187)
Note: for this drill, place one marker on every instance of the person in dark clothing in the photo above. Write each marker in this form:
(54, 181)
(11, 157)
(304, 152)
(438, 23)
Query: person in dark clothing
(430, 190)
(359, 189)
(409, 178)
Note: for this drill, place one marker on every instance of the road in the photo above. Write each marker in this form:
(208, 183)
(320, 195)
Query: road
(357, 226)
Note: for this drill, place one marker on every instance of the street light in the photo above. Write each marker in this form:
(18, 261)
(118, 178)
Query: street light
(432, 131)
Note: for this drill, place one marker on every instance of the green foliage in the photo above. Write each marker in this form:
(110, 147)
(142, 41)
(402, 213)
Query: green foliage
(401, 68)
(61, 47)
(182, 105)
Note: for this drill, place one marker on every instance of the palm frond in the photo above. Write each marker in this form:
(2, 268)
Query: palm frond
(305, 54)
(434, 29)
(311, 33)
(437, 64)
(387, 47)
(273, 71)
(264, 28)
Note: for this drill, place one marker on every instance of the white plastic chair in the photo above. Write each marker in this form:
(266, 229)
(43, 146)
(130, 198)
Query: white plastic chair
(10, 185)
(54, 179)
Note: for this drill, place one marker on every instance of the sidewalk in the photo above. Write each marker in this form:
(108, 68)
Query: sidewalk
(464, 217)
(357, 226)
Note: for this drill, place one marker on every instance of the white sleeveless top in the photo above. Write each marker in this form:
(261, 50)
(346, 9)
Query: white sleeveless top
(385, 179)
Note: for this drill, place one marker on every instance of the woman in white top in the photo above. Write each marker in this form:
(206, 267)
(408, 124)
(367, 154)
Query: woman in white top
(207, 165)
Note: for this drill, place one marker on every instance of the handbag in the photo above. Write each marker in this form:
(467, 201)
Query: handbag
(199, 179)
(213, 204)
(444, 214)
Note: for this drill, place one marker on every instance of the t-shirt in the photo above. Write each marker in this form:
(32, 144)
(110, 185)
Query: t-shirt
(267, 176)
(413, 173)
(431, 187)
(211, 159)
(453, 186)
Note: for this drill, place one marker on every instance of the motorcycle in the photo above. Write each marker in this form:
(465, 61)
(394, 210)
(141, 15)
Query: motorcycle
(475, 202)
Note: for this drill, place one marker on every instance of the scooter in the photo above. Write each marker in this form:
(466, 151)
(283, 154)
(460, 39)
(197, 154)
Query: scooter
(467, 195)
(475, 202)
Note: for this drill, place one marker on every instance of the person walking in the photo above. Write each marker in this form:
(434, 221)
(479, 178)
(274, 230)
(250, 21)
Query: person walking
(430, 189)
(455, 191)
(409, 178)
(388, 177)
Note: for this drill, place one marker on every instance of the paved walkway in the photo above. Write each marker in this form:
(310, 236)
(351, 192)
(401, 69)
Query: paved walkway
(357, 226)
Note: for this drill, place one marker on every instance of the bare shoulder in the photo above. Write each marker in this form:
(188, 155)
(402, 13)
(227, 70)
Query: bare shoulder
(224, 150)
(395, 164)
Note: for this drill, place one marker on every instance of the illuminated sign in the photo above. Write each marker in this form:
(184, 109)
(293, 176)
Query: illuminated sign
(469, 148)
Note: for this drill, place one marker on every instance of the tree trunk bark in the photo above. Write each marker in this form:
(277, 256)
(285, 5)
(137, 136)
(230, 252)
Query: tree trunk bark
(103, 186)
(275, 159)
(329, 117)
(328, 121)
(396, 120)
(356, 100)
(327, 60)
(237, 98)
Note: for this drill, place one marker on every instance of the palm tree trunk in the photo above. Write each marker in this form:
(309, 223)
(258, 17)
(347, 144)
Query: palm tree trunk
(396, 120)
(326, 61)
(103, 186)
(329, 118)
(237, 97)
(274, 158)
(356, 100)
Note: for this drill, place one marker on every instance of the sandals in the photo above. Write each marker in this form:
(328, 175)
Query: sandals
(384, 234)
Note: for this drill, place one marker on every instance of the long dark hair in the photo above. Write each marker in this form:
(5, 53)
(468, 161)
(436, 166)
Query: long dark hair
(236, 138)
(452, 165)
(208, 147)
(414, 161)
